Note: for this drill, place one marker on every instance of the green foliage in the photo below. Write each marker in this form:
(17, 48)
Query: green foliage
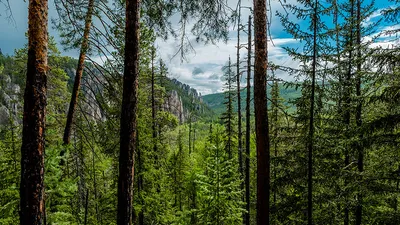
(219, 185)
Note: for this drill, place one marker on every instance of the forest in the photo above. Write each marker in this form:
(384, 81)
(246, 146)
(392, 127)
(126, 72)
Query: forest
(111, 136)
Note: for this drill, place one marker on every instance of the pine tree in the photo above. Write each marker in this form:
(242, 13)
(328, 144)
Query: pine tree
(79, 72)
(261, 115)
(128, 114)
(33, 142)
(219, 188)
(227, 116)
(248, 131)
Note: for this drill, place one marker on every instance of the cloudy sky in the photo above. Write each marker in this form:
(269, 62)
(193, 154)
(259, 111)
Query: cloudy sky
(202, 69)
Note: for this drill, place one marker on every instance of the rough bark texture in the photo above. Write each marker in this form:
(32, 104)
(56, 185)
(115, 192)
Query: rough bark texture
(33, 140)
(247, 159)
(128, 114)
(78, 75)
(261, 116)
(310, 144)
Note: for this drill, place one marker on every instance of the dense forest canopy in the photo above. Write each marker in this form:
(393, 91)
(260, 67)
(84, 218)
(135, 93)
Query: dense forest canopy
(299, 124)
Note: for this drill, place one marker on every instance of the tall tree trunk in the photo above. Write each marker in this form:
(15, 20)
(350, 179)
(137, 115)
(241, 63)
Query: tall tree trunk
(78, 75)
(358, 115)
(239, 108)
(311, 128)
(347, 102)
(261, 115)
(128, 114)
(247, 159)
(33, 141)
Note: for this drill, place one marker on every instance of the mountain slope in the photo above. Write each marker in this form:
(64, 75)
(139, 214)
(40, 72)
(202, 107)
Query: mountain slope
(216, 101)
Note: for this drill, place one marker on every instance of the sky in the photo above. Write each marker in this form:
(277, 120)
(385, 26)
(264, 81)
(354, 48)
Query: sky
(203, 68)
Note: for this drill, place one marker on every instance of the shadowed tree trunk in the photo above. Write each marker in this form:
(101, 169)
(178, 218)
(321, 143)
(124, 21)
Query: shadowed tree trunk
(310, 144)
(33, 141)
(347, 102)
(261, 116)
(247, 159)
(128, 114)
(358, 114)
(78, 75)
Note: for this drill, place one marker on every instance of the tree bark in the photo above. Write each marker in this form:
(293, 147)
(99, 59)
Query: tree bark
(261, 115)
(33, 140)
(247, 159)
(78, 75)
(128, 114)
(311, 128)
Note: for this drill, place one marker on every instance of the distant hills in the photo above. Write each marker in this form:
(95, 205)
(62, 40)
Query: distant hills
(216, 101)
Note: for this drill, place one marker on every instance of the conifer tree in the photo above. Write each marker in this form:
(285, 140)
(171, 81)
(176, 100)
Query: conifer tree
(248, 131)
(79, 72)
(227, 116)
(128, 114)
(261, 115)
(33, 142)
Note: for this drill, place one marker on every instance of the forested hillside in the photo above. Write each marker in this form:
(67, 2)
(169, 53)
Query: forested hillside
(288, 95)
(306, 130)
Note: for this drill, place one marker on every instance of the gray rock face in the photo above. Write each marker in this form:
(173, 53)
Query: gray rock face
(4, 115)
(173, 104)
(9, 105)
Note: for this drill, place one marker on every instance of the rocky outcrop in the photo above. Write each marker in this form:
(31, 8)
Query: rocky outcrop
(9, 104)
(173, 104)
(183, 101)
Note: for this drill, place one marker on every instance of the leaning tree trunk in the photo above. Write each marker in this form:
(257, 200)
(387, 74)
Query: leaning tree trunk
(128, 114)
(247, 159)
(261, 115)
(33, 141)
(78, 75)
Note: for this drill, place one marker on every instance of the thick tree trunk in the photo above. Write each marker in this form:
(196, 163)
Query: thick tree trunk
(261, 115)
(78, 75)
(247, 159)
(358, 115)
(33, 141)
(311, 128)
(128, 114)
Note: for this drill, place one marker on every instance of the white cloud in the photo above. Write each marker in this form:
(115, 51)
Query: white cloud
(211, 58)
